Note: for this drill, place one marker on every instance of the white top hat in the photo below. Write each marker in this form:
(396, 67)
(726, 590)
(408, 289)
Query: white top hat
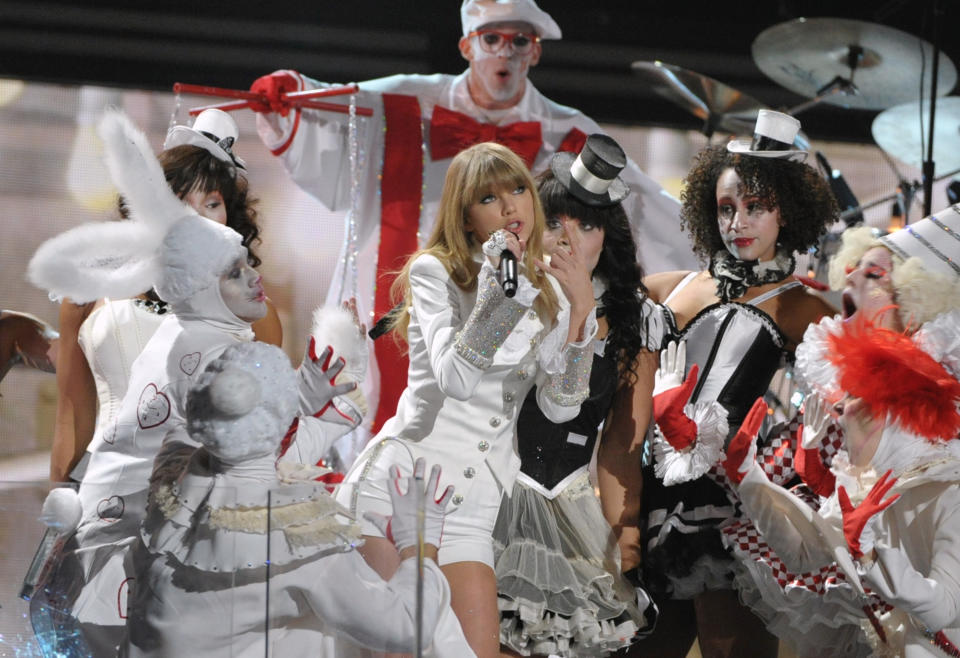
(214, 131)
(773, 137)
(935, 240)
(475, 14)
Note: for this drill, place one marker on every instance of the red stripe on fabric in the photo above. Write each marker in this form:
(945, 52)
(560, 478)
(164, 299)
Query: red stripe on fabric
(293, 133)
(401, 191)
(573, 141)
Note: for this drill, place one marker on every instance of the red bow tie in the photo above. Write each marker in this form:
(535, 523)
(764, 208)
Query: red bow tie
(451, 132)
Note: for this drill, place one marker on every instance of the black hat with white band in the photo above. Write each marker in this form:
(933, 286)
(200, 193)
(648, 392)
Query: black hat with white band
(593, 175)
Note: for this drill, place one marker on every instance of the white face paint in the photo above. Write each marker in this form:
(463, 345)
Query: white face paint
(497, 80)
(242, 291)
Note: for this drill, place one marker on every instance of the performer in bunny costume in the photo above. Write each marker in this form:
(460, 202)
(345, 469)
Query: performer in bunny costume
(891, 523)
(224, 538)
(419, 123)
(200, 268)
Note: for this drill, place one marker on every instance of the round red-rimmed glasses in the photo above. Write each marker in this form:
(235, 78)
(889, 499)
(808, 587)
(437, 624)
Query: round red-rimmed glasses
(493, 41)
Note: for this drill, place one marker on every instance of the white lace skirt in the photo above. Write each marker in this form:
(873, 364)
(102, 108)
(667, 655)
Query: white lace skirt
(558, 575)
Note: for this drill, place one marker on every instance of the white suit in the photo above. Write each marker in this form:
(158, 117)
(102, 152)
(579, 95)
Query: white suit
(314, 147)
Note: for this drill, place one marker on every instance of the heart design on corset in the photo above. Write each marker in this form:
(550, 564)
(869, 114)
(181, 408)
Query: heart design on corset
(110, 433)
(189, 362)
(110, 509)
(153, 408)
(123, 596)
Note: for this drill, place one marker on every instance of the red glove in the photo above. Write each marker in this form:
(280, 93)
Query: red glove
(679, 430)
(855, 519)
(811, 469)
(271, 88)
(743, 446)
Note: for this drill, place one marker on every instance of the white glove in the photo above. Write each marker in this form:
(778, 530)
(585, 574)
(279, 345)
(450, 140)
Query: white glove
(816, 421)
(401, 528)
(673, 360)
(318, 388)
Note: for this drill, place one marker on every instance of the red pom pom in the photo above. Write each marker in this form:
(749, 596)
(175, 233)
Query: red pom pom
(894, 376)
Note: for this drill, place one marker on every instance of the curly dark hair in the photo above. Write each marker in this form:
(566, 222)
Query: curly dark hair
(618, 266)
(188, 168)
(806, 204)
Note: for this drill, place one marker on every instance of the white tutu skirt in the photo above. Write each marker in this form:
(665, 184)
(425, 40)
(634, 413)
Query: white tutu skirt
(560, 590)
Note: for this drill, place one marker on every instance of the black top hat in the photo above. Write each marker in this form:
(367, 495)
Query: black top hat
(593, 176)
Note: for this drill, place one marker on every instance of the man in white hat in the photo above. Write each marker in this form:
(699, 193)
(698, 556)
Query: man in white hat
(427, 120)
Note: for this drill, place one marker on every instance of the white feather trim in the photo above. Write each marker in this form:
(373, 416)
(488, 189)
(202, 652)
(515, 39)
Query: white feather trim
(91, 261)
(258, 432)
(677, 466)
(137, 173)
(194, 253)
(335, 326)
(62, 510)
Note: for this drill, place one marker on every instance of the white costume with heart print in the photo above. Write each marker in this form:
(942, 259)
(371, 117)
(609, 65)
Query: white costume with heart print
(113, 491)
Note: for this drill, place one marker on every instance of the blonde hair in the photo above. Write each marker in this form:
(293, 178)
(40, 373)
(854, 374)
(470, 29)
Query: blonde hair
(920, 294)
(473, 174)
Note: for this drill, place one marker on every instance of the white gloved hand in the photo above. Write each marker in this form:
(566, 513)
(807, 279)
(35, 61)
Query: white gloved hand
(318, 388)
(401, 528)
(816, 421)
(673, 361)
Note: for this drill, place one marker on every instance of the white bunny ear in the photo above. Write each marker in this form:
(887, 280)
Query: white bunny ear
(106, 259)
(137, 173)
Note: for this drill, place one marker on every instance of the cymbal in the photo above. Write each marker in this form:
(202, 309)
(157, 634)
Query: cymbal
(897, 131)
(719, 106)
(807, 55)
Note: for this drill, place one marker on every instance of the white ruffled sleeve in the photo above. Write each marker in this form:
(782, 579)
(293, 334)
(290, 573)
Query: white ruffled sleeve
(675, 466)
(932, 598)
(940, 338)
(798, 552)
(353, 601)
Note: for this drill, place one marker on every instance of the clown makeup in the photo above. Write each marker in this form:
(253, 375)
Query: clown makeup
(497, 79)
(242, 291)
(748, 226)
(504, 207)
(861, 431)
(557, 237)
(869, 289)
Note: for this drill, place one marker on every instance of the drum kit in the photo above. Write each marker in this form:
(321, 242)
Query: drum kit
(849, 64)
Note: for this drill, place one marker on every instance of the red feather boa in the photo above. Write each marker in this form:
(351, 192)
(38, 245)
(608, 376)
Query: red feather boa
(893, 376)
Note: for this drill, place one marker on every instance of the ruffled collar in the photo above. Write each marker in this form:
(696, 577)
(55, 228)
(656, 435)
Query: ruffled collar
(734, 276)
(219, 517)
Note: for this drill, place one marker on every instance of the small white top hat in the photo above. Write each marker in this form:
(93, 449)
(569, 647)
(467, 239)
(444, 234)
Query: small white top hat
(773, 137)
(935, 240)
(214, 131)
(475, 14)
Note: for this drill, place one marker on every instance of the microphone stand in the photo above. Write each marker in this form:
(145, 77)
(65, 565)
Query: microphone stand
(928, 164)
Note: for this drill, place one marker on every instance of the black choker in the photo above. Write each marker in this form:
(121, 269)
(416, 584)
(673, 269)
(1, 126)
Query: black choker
(158, 307)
